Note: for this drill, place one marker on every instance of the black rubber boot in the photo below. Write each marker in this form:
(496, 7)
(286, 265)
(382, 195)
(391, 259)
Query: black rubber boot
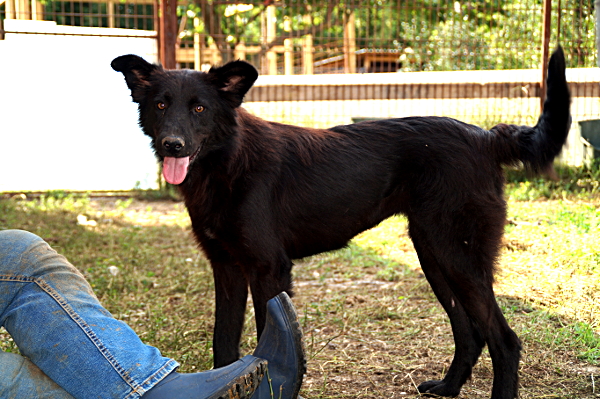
(236, 381)
(281, 345)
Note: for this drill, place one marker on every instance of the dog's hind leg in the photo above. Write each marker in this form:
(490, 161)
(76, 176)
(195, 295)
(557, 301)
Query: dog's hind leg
(503, 344)
(460, 273)
(467, 339)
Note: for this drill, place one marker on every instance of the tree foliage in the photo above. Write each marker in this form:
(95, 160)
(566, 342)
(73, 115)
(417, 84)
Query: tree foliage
(428, 34)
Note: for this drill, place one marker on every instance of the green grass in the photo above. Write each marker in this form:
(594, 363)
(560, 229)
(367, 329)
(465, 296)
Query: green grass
(372, 326)
(570, 182)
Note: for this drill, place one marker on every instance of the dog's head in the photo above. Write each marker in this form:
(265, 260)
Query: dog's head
(188, 114)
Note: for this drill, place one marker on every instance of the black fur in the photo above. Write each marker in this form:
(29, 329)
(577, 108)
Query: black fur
(260, 194)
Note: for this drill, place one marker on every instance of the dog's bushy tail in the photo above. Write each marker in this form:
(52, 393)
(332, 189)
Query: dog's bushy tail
(536, 147)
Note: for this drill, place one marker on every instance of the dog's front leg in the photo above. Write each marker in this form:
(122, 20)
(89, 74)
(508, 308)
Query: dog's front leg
(267, 280)
(231, 294)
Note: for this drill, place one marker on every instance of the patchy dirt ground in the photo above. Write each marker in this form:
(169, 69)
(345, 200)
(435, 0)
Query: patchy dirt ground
(372, 327)
(371, 340)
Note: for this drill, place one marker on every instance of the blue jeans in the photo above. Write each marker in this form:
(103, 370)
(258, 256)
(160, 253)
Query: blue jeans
(73, 347)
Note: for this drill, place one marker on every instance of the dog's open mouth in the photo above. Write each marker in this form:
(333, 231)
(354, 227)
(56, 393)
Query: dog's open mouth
(175, 169)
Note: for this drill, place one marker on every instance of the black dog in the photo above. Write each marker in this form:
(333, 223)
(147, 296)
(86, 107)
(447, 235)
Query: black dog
(261, 193)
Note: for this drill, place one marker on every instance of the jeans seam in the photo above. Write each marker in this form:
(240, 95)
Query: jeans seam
(142, 391)
(47, 288)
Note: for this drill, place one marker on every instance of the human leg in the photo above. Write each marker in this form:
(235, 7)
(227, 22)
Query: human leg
(56, 321)
(20, 378)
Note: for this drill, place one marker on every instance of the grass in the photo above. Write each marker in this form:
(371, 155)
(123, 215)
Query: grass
(372, 326)
(569, 182)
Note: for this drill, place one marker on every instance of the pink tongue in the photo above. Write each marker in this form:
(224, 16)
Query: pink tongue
(175, 169)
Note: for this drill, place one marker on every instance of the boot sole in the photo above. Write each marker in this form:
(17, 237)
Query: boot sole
(292, 317)
(244, 386)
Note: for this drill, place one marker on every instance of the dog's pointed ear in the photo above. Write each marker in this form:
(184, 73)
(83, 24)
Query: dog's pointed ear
(137, 72)
(233, 80)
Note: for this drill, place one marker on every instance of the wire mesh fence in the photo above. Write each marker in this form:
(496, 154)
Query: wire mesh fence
(312, 36)
(133, 14)
(449, 53)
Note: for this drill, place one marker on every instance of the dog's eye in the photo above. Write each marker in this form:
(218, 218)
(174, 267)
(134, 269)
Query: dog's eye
(161, 106)
(199, 108)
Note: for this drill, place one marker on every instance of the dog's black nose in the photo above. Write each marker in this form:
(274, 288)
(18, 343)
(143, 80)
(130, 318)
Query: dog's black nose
(172, 144)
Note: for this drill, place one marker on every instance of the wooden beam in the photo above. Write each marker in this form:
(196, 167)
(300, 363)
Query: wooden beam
(350, 42)
(240, 51)
(10, 9)
(22, 9)
(504, 85)
(288, 46)
(547, 16)
(198, 46)
(270, 30)
(394, 91)
(110, 10)
(167, 35)
(133, 1)
(37, 10)
(308, 61)
(288, 57)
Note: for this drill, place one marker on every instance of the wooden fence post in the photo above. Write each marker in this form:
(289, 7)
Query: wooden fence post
(547, 15)
(110, 11)
(349, 42)
(167, 35)
(10, 9)
(308, 63)
(270, 35)
(239, 53)
(288, 48)
(288, 57)
(37, 10)
(22, 9)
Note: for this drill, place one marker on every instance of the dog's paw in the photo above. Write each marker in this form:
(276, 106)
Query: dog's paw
(437, 388)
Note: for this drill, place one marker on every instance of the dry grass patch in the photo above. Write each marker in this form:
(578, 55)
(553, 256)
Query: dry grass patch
(373, 328)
